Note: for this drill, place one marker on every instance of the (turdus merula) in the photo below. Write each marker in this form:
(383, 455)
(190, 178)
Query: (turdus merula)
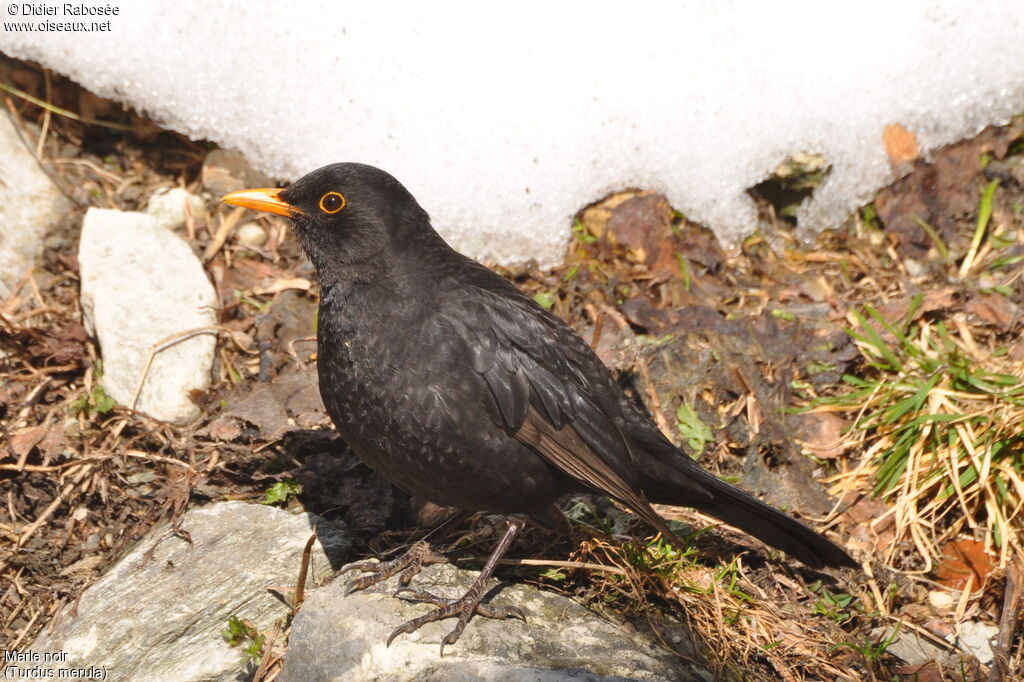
(455, 386)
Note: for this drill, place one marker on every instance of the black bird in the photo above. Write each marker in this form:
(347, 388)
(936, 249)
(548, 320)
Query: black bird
(455, 386)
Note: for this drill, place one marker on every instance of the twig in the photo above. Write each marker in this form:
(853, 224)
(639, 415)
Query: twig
(164, 344)
(58, 110)
(1008, 622)
(300, 585)
(25, 630)
(105, 174)
(580, 565)
(45, 128)
(266, 660)
(160, 458)
(31, 528)
(221, 236)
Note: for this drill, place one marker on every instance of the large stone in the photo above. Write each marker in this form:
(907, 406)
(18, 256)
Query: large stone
(143, 289)
(335, 637)
(30, 204)
(159, 613)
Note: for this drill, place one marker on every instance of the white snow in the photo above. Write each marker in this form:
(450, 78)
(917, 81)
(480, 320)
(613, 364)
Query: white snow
(506, 120)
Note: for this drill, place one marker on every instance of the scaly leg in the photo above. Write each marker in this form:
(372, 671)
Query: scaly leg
(405, 566)
(409, 564)
(469, 604)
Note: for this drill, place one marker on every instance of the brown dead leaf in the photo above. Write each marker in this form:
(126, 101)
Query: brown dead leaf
(821, 434)
(995, 309)
(960, 560)
(49, 439)
(288, 402)
(26, 439)
(63, 347)
(641, 224)
(300, 283)
(901, 146)
(84, 566)
(863, 512)
(943, 193)
(224, 429)
(925, 672)
(245, 274)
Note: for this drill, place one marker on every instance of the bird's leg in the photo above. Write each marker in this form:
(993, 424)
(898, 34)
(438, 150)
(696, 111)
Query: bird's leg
(469, 603)
(408, 565)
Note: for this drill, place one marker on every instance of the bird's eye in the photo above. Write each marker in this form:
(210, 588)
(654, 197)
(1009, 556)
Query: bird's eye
(332, 202)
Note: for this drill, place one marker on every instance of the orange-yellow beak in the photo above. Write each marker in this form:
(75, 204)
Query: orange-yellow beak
(268, 200)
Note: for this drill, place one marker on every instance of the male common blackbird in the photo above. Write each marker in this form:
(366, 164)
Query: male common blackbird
(453, 385)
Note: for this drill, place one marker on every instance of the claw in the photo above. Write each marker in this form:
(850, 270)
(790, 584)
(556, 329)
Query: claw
(464, 608)
(419, 555)
(405, 566)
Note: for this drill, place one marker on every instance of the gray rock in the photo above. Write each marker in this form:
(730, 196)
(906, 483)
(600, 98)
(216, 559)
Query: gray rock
(142, 286)
(159, 613)
(976, 639)
(30, 204)
(909, 646)
(168, 207)
(335, 637)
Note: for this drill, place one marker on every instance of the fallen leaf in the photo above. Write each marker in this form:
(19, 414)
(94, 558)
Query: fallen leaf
(224, 428)
(961, 559)
(290, 401)
(300, 283)
(821, 434)
(925, 672)
(994, 309)
(26, 439)
(900, 145)
(84, 566)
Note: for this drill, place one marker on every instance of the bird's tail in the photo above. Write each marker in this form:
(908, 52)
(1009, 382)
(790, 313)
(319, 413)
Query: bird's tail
(684, 483)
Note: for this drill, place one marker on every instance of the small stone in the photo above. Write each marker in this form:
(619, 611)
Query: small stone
(227, 171)
(943, 601)
(168, 207)
(914, 267)
(30, 204)
(251, 235)
(976, 639)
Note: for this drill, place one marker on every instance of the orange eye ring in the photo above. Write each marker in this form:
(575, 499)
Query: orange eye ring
(332, 202)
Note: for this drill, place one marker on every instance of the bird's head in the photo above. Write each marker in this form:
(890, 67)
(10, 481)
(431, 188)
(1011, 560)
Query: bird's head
(347, 216)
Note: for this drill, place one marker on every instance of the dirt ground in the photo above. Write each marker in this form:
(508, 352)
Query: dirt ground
(726, 346)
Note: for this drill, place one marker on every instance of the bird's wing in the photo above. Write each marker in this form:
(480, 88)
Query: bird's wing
(547, 389)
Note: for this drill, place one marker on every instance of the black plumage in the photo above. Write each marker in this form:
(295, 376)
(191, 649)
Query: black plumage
(455, 386)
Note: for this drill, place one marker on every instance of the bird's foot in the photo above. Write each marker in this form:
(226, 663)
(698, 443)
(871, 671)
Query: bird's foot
(405, 567)
(464, 608)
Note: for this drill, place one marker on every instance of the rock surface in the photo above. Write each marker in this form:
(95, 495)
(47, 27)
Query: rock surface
(159, 613)
(30, 204)
(335, 637)
(909, 646)
(141, 287)
(976, 639)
